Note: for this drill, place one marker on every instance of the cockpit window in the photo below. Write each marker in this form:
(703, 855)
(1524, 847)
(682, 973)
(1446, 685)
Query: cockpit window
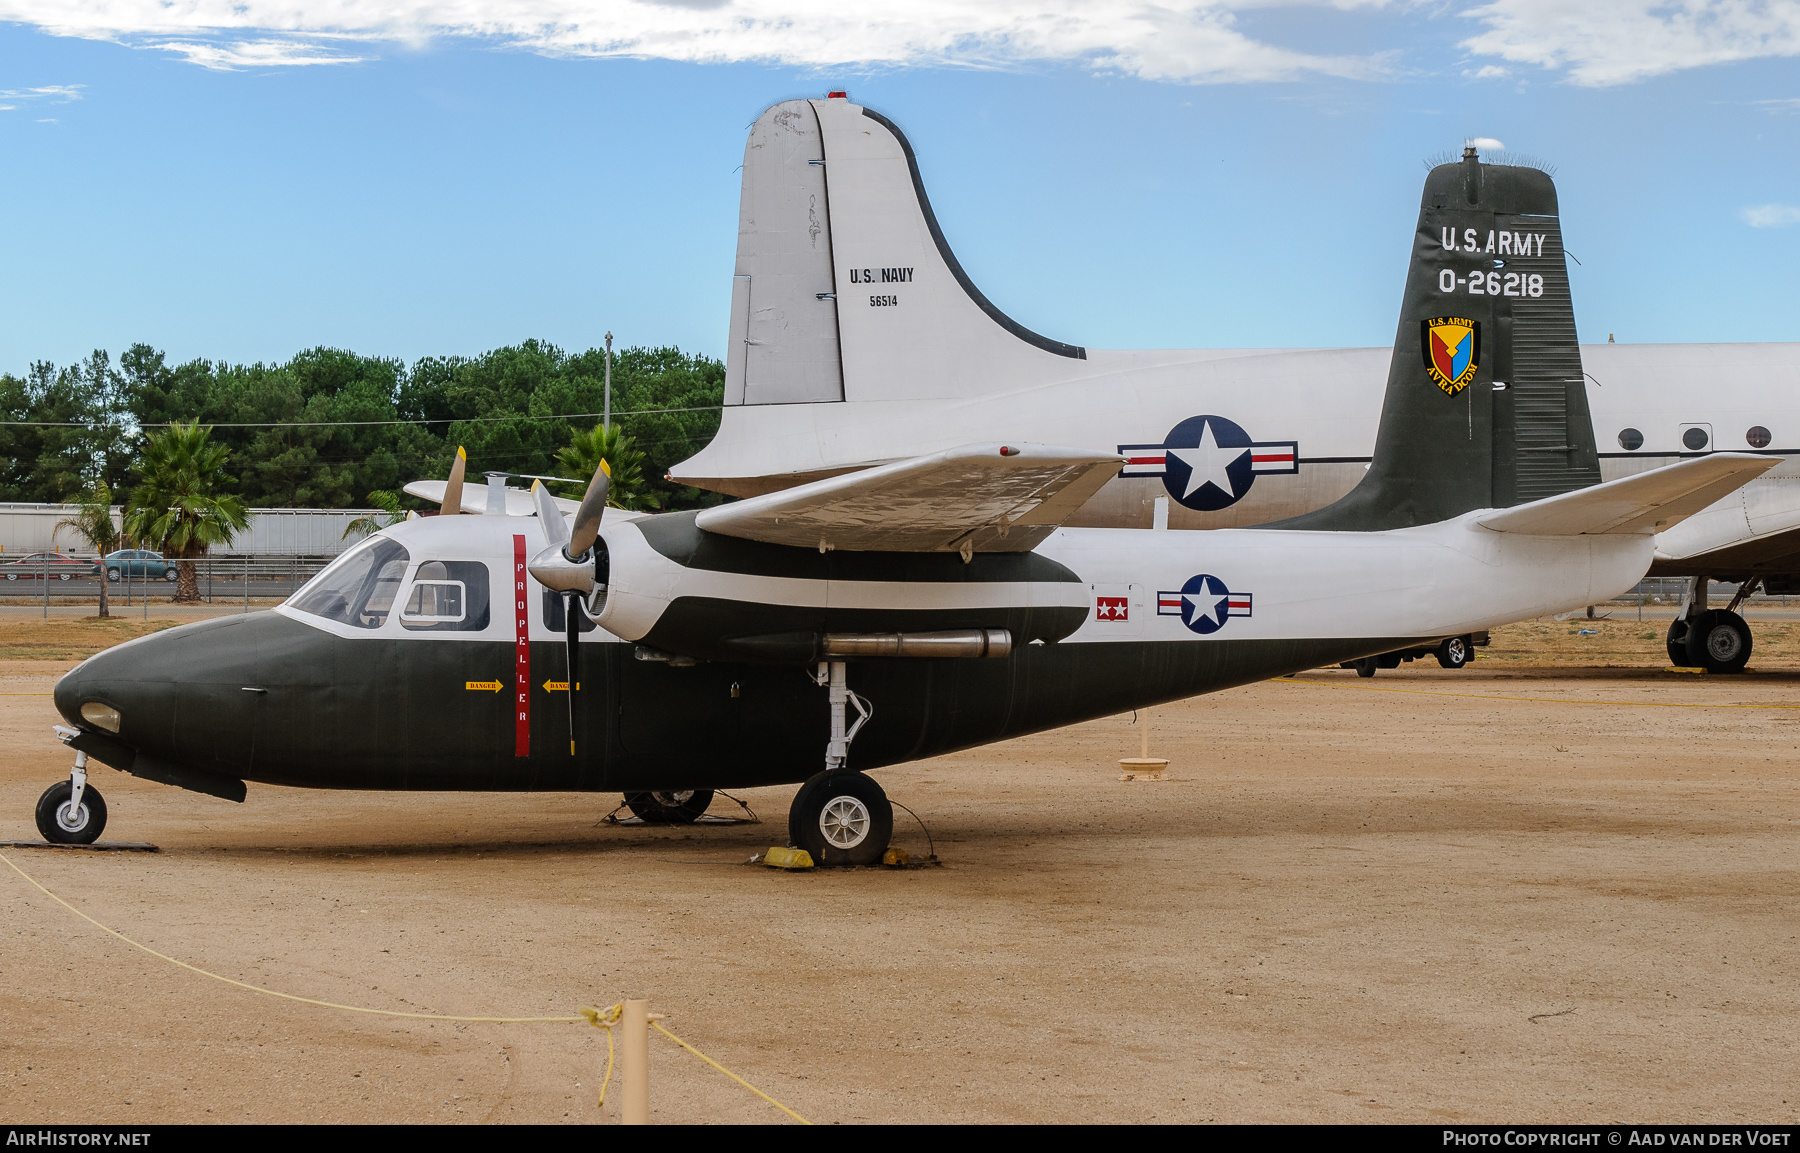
(359, 588)
(447, 596)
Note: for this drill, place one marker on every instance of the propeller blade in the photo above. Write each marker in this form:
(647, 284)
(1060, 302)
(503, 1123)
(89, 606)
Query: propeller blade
(571, 606)
(556, 529)
(586, 529)
(453, 487)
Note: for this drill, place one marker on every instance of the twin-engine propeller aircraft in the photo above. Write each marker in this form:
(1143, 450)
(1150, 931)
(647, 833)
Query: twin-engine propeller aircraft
(856, 338)
(891, 614)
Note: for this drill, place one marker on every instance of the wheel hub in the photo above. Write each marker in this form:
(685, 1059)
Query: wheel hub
(70, 818)
(1723, 644)
(673, 800)
(845, 822)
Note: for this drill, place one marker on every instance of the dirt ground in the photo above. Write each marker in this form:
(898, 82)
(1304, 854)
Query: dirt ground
(1534, 889)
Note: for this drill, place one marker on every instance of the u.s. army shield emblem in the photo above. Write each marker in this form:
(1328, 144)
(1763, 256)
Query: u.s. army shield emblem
(1452, 348)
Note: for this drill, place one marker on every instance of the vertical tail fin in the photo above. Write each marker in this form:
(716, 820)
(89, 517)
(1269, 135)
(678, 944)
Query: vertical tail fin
(1486, 405)
(845, 286)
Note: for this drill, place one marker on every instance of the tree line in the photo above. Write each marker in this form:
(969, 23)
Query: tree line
(290, 431)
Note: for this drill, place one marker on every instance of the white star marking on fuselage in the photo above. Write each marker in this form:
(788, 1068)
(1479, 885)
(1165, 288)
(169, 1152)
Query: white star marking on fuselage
(1204, 605)
(1207, 463)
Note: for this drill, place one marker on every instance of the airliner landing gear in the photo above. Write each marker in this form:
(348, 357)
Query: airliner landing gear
(72, 812)
(839, 816)
(1717, 640)
(669, 807)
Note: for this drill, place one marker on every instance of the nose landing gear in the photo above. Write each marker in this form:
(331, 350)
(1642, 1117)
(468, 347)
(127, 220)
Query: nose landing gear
(72, 812)
(840, 816)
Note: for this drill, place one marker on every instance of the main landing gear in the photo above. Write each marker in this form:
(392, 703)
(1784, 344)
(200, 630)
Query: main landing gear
(839, 816)
(72, 812)
(1717, 640)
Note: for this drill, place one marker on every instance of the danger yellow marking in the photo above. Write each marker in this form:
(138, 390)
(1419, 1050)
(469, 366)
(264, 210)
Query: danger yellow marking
(482, 686)
(559, 686)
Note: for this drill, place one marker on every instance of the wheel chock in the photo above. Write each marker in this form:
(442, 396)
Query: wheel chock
(785, 858)
(896, 858)
(1143, 769)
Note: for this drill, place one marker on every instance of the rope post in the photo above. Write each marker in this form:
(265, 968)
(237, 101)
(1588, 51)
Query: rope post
(634, 1063)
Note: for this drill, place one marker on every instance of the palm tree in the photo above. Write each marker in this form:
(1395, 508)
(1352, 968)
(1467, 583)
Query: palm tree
(177, 503)
(93, 523)
(585, 452)
(390, 514)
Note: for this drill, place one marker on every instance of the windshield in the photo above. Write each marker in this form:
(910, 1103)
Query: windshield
(358, 589)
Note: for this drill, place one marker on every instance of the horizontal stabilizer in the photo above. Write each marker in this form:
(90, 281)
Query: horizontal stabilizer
(986, 498)
(1646, 503)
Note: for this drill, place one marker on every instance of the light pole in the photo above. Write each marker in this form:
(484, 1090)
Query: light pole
(606, 416)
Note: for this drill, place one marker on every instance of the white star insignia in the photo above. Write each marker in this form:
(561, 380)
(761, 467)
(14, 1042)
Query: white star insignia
(1208, 463)
(1203, 605)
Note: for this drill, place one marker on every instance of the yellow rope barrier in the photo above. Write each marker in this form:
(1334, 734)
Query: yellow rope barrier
(729, 1073)
(1542, 700)
(599, 1018)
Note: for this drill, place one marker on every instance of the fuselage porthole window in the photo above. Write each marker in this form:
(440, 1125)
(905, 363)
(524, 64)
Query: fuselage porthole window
(1758, 437)
(1694, 438)
(447, 596)
(1630, 439)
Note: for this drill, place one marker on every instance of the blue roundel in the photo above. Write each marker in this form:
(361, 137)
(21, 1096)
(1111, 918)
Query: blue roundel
(1205, 604)
(1209, 465)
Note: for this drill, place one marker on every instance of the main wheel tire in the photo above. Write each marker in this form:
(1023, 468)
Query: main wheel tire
(669, 806)
(841, 818)
(1365, 667)
(112, 574)
(1676, 642)
(1453, 653)
(61, 826)
(1719, 642)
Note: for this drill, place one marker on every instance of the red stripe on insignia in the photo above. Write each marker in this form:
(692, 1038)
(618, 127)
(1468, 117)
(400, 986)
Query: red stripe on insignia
(1262, 456)
(521, 655)
(1146, 460)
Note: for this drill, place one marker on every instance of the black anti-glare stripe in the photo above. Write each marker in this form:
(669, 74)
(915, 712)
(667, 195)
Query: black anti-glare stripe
(937, 235)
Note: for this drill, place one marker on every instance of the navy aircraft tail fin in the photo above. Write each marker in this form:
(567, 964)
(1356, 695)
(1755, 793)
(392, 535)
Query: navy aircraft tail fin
(1486, 405)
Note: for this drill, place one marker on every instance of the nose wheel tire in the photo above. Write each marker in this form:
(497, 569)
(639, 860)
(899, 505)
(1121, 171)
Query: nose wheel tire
(1717, 641)
(841, 818)
(669, 807)
(63, 824)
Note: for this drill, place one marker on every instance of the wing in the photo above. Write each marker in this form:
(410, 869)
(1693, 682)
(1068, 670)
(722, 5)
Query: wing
(982, 497)
(1648, 502)
(519, 502)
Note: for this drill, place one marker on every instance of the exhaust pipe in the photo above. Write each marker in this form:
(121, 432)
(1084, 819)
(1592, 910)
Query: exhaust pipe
(949, 643)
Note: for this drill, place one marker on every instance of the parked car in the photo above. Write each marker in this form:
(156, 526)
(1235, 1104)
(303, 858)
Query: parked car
(136, 562)
(41, 564)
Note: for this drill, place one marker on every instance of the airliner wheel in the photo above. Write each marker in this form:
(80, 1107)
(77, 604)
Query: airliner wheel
(669, 807)
(1719, 642)
(841, 818)
(62, 825)
(1676, 642)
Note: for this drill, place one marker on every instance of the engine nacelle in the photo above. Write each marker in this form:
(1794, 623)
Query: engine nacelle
(673, 586)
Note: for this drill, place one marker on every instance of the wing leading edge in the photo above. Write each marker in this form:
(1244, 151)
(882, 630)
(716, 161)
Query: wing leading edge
(978, 498)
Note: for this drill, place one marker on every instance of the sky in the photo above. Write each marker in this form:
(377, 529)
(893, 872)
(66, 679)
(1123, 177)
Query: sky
(240, 180)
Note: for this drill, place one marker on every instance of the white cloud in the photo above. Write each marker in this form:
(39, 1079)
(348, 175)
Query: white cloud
(1776, 107)
(239, 54)
(1605, 42)
(1771, 215)
(49, 94)
(1189, 41)
(1486, 144)
(1488, 72)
